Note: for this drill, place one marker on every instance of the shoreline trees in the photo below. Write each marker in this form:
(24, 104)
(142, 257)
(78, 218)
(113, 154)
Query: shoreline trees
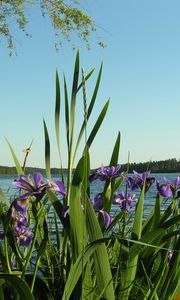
(171, 165)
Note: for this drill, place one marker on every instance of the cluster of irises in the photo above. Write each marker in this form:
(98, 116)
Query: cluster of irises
(37, 188)
(134, 182)
(23, 233)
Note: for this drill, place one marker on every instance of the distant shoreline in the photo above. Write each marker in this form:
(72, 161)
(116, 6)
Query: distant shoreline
(163, 166)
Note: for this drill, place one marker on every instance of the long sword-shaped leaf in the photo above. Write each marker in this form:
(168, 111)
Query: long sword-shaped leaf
(157, 212)
(78, 235)
(114, 162)
(41, 290)
(132, 263)
(58, 207)
(146, 240)
(73, 98)
(109, 187)
(100, 257)
(137, 226)
(57, 111)
(139, 243)
(47, 151)
(20, 285)
(72, 124)
(4, 199)
(170, 222)
(76, 212)
(86, 78)
(172, 280)
(89, 111)
(76, 271)
(115, 154)
(148, 222)
(57, 117)
(17, 164)
(97, 124)
(76, 228)
(66, 111)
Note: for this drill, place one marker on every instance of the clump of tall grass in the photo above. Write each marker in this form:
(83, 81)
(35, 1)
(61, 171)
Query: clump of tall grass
(85, 252)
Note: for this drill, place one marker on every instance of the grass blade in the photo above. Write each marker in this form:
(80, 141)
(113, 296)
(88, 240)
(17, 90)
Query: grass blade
(86, 78)
(47, 151)
(157, 212)
(89, 111)
(66, 111)
(4, 199)
(17, 164)
(76, 213)
(20, 285)
(73, 98)
(57, 119)
(100, 257)
(132, 263)
(115, 154)
(76, 271)
(97, 125)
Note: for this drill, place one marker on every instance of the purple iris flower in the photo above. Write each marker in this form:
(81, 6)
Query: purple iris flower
(19, 218)
(125, 200)
(98, 205)
(23, 235)
(175, 185)
(36, 187)
(106, 217)
(164, 189)
(21, 205)
(58, 186)
(106, 173)
(137, 180)
(168, 188)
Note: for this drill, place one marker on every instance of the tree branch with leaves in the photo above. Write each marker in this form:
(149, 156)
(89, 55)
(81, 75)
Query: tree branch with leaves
(67, 19)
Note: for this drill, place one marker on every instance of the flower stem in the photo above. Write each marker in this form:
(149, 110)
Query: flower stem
(35, 273)
(6, 255)
(120, 250)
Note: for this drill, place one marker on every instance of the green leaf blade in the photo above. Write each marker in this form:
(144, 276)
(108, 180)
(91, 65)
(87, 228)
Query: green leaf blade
(17, 164)
(97, 124)
(20, 285)
(47, 151)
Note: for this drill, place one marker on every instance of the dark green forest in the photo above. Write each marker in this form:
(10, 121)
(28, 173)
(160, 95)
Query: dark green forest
(4, 170)
(163, 166)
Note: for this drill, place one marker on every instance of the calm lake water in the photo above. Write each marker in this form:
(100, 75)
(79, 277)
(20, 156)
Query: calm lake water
(96, 187)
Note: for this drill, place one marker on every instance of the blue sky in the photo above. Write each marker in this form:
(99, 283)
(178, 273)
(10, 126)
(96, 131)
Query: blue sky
(141, 75)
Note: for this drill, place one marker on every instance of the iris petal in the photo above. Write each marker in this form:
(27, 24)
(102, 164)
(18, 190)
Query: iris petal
(164, 189)
(61, 188)
(23, 183)
(37, 178)
(106, 217)
(21, 206)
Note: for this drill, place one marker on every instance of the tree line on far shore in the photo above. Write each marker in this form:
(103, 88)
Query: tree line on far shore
(163, 166)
